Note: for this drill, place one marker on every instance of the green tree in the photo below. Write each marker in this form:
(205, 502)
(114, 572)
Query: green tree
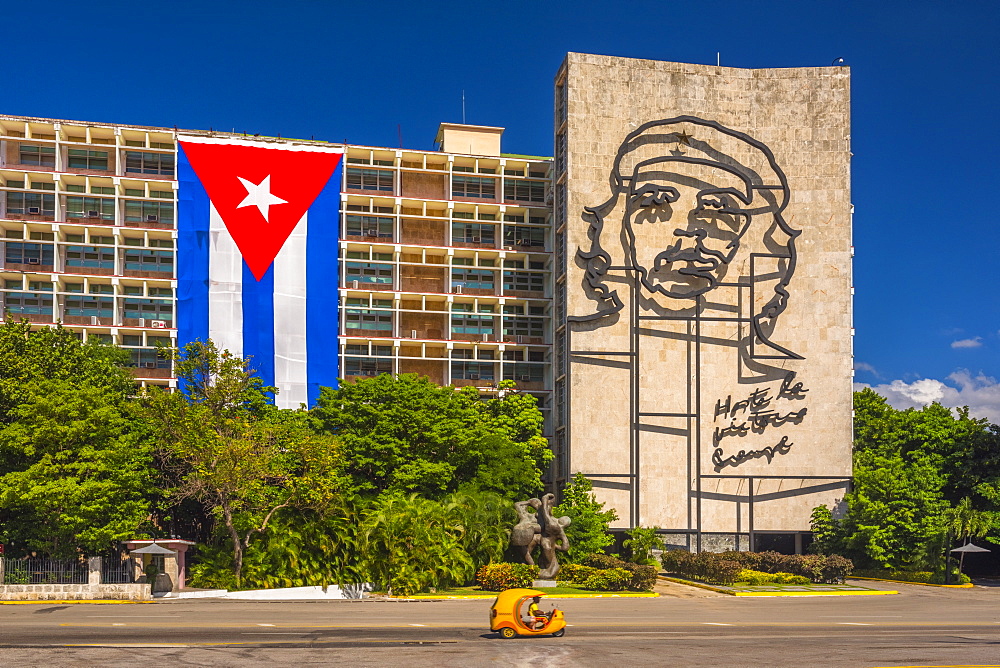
(641, 542)
(588, 532)
(73, 475)
(410, 543)
(82, 483)
(405, 434)
(227, 446)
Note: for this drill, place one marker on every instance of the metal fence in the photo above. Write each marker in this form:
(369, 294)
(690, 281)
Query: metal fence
(36, 570)
(117, 571)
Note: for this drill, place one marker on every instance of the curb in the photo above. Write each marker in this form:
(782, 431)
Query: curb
(730, 592)
(433, 597)
(97, 601)
(967, 585)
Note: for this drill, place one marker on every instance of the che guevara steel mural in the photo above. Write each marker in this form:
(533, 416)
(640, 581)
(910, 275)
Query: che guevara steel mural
(694, 235)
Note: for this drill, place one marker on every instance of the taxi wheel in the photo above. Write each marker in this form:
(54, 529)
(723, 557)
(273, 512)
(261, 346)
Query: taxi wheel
(507, 632)
(559, 634)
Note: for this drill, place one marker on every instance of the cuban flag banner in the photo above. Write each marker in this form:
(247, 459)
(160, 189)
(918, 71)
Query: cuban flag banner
(257, 270)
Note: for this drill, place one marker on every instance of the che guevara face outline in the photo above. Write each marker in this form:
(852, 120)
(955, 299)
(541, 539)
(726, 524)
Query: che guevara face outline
(705, 221)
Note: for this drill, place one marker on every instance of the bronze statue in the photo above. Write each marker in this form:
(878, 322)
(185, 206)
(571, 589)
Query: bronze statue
(540, 528)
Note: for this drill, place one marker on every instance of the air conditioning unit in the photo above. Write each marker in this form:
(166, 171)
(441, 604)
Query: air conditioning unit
(32, 260)
(158, 324)
(372, 233)
(150, 365)
(34, 210)
(477, 240)
(519, 338)
(524, 377)
(152, 218)
(473, 376)
(413, 333)
(142, 322)
(93, 214)
(354, 285)
(458, 289)
(93, 320)
(486, 337)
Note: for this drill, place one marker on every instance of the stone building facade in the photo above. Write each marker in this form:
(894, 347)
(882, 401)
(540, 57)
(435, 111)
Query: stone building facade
(704, 355)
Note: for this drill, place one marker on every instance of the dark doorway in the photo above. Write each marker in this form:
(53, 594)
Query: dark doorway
(775, 542)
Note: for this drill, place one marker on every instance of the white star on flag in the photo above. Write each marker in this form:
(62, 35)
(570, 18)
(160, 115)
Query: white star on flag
(259, 195)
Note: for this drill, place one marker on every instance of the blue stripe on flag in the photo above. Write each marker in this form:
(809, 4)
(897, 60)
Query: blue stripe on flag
(192, 254)
(322, 290)
(258, 322)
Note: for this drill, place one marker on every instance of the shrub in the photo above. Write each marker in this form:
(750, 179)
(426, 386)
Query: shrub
(498, 577)
(643, 576)
(575, 573)
(609, 579)
(598, 560)
(676, 561)
(836, 568)
(925, 577)
(641, 543)
(756, 578)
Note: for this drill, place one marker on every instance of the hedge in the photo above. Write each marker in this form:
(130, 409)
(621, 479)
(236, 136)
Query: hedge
(498, 577)
(756, 578)
(925, 577)
(724, 567)
(595, 573)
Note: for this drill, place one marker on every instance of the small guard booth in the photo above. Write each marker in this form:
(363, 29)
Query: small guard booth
(168, 555)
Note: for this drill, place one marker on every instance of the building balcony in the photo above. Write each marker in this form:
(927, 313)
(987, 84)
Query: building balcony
(143, 372)
(28, 267)
(91, 271)
(92, 320)
(136, 273)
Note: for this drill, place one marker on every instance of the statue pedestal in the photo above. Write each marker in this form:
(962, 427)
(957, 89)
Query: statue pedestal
(543, 583)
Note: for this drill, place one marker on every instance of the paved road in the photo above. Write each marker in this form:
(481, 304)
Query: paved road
(921, 626)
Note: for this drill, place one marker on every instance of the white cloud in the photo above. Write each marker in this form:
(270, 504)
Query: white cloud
(980, 393)
(865, 366)
(974, 342)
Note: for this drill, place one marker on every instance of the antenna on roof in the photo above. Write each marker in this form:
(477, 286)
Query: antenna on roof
(718, 58)
(463, 106)
(399, 130)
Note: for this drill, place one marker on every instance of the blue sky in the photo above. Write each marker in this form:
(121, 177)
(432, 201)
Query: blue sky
(925, 115)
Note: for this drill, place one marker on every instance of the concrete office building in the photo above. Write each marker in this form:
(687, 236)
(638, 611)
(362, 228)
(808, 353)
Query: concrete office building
(674, 286)
(704, 349)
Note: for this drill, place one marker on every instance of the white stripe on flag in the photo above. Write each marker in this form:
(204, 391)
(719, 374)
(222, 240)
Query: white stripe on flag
(225, 288)
(290, 374)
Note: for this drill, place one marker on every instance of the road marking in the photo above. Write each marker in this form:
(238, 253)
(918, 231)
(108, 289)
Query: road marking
(854, 624)
(418, 625)
(134, 616)
(118, 624)
(271, 633)
(860, 616)
(265, 625)
(716, 624)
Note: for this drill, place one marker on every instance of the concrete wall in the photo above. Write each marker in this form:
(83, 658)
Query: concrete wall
(75, 592)
(708, 270)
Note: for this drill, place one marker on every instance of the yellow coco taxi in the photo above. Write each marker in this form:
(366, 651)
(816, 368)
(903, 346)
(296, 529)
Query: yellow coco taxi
(505, 616)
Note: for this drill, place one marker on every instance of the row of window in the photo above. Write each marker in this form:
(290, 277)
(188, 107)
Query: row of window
(525, 372)
(91, 257)
(136, 162)
(479, 187)
(473, 279)
(460, 353)
(17, 285)
(40, 303)
(101, 208)
(479, 325)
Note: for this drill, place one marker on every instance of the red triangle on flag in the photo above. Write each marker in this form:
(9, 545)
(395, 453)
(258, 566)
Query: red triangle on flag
(247, 182)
